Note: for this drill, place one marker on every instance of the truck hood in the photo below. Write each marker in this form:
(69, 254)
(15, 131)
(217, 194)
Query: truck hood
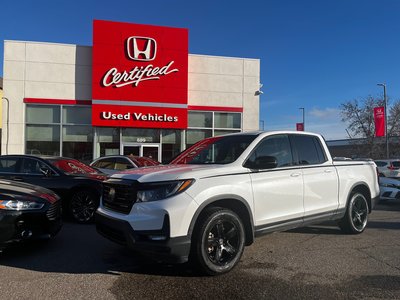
(174, 172)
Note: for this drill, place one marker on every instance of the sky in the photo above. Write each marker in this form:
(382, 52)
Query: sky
(314, 54)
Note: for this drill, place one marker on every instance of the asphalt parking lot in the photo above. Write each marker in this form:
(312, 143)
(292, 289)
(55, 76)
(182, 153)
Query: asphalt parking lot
(317, 262)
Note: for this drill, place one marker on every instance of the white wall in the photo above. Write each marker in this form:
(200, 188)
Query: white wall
(226, 81)
(41, 70)
(61, 71)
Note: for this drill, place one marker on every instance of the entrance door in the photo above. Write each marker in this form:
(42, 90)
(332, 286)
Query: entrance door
(147, 150)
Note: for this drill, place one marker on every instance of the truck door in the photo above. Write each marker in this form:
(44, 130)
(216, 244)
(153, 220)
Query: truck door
(278, 192)
(319, 175)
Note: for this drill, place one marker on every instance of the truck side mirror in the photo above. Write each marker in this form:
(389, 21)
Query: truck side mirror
(262, 163)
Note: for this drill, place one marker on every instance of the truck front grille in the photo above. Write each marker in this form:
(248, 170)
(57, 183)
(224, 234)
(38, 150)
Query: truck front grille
(119, 195)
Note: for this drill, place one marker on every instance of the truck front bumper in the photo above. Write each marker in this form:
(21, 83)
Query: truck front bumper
(156, 244)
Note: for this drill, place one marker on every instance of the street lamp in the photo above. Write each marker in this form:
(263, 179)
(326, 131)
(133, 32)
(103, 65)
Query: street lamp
(304, 120)
(386, 117)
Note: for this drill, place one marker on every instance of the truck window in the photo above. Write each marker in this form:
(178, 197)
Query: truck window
(277, 146)
(309, 150)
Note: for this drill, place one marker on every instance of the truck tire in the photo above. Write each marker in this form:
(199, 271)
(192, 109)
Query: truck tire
(356, 218)
(218, 241)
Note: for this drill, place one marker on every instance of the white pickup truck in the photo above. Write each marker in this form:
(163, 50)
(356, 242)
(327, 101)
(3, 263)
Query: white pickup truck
(218, 195)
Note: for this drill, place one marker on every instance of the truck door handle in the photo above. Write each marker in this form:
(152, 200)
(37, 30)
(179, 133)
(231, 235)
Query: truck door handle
(295, 174)
(328, 171)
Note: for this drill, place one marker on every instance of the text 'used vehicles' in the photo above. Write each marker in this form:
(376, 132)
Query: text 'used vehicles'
(222, 192)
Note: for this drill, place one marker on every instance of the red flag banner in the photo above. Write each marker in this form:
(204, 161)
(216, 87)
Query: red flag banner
(379, 116)
(299, 126)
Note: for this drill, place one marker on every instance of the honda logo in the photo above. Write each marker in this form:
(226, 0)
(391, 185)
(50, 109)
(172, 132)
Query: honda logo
(141, 48)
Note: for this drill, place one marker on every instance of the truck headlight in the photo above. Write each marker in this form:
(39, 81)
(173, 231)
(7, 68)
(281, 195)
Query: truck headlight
(20, 205)
(162, 190)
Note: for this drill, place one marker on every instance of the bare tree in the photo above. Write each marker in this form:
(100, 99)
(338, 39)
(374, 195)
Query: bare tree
(359, 116)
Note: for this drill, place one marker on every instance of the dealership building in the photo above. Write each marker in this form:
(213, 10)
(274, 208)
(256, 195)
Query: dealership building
(136, 90)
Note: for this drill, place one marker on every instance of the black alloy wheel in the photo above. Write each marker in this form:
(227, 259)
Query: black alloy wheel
(83, 205)
(356, 217)
(219, 241)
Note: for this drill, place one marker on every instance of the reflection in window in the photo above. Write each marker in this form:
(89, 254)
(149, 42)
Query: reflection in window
(78, 142)
(107, 141)
(42, 139)
(277, 146)
(227, 120)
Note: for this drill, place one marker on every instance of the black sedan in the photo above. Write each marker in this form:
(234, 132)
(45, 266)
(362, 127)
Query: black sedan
(27, 212)
(78, 185)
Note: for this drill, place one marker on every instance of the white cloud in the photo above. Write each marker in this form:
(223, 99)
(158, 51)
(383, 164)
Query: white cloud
(331, 113)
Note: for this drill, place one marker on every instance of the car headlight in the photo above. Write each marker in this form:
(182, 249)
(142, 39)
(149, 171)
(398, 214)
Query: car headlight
(20, 205)
(162, 190)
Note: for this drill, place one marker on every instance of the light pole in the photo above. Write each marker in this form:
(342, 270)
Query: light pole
(386, 118)
(304, 120)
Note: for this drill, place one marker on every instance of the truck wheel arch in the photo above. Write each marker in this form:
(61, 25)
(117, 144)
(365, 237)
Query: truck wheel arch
(234, 203)
(362, 188)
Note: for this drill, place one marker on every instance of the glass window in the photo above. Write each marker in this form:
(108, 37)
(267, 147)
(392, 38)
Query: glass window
(32, 166)
(43, 133)
(306, 148)
(277, 146)
(227, 120)
(78, 133)
(78, 142)
(77, 115)
(215, 150)
(42, 114)
(8, 165)
(195, 135)
(107, 141)
(42, 139)
(381, 163)
(105, 163)
(122, 164)
(139, 135)
(200, 119)
(222, 132)
(171, 144)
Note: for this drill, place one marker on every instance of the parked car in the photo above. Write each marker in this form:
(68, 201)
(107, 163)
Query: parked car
(78, 185)
(115, 163)
(27, 212)
(390, 188)
(388, 167)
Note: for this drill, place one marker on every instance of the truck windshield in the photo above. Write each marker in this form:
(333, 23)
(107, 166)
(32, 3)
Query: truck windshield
(215, 150)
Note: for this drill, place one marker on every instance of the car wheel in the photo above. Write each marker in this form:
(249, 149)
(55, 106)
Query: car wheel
(218, 241)
(83, 205)
(356, 218)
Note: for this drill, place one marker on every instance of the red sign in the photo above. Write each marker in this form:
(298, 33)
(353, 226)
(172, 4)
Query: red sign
(379, 117)
(299, 126)
(139, 69)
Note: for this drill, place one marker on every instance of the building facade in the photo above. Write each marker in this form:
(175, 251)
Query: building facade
(135, 91)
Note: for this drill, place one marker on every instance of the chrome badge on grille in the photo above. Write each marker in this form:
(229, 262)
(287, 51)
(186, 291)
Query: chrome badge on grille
(111, 195)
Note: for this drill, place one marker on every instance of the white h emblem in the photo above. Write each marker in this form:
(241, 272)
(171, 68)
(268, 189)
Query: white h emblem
(148, 52)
